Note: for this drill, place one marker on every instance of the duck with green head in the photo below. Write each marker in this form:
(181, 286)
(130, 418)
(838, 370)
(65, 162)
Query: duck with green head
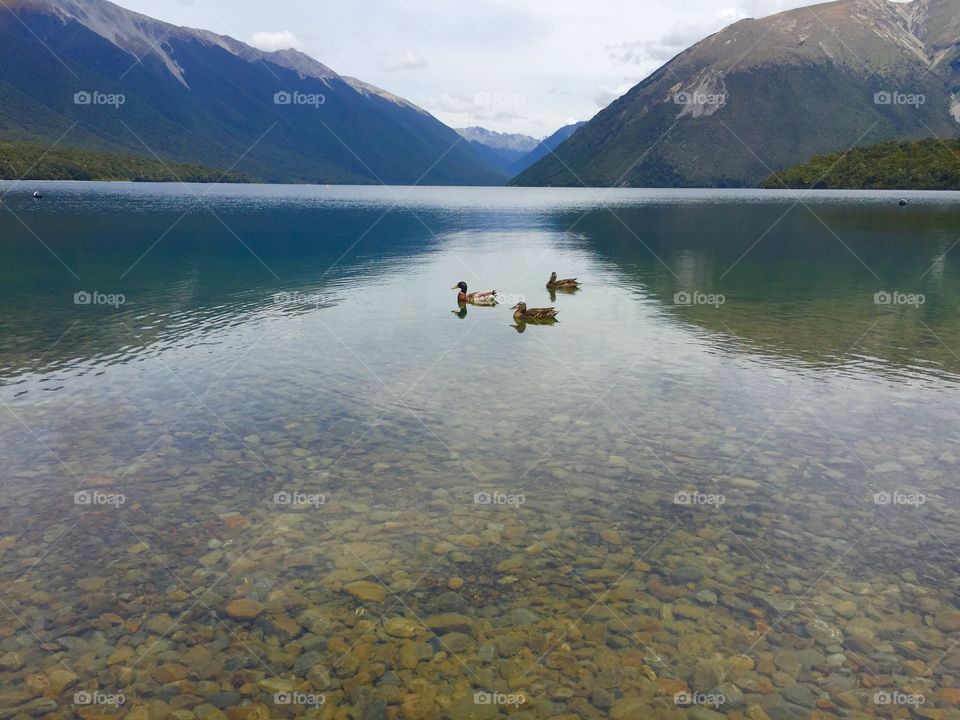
(484, 297)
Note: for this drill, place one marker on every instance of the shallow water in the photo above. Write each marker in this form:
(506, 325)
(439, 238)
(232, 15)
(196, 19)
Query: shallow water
(750, 500)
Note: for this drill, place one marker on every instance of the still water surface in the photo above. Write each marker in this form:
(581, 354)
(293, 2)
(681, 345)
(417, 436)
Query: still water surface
(728, 471)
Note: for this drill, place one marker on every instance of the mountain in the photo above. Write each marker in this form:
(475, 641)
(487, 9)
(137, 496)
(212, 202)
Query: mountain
(544, 148)
(100, 77)
(763, 95)
(502, 149)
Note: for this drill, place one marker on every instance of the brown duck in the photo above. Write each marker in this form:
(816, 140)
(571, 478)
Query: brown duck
(555, 283)
(522, 313)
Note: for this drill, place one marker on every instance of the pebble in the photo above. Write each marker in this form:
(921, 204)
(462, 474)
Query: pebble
(244, 609)
(366, 591)
(449, 622)
(168, 673)
(401, 627)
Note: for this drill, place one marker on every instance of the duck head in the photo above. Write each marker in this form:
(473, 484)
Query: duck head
(553, 277)
(462, 286)
(520, 307)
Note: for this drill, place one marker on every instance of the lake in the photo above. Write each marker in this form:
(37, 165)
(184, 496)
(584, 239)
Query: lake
(258, 463)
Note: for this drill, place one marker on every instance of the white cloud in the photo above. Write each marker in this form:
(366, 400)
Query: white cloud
(607, 93)
(485, 106)
(407, 60)
(270, 41)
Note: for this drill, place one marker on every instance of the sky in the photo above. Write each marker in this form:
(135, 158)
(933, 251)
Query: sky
(516, 66)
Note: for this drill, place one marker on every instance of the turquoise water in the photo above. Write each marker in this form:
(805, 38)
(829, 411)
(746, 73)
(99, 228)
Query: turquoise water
(729, 470)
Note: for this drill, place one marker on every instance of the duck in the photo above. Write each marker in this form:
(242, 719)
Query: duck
(524, 314)
(485, 297)
(555, 283)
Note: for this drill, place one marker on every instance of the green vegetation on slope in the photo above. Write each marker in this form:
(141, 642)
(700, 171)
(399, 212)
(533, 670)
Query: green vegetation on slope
(20, 161)
(921, 165)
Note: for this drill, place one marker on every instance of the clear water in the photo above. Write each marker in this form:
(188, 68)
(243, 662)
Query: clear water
(771, 476)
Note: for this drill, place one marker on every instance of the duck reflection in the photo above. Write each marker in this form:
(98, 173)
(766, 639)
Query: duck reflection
(462, 312)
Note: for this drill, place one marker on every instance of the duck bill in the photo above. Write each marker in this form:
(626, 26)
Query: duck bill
(515, 307)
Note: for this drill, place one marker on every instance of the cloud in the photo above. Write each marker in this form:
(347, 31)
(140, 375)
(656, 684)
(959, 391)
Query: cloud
(681, 35)
(485, 106)
(407, 60)
(270, 41)
(607, 94)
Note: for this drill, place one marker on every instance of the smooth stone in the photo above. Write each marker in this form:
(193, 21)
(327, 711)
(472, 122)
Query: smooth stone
(11, 661)
(629, 708)
(467, 709)
(611, 536)
(366, 591)
(824, 633)
(401, 627)
(706, 597)
(800, 695)
(846, 609)
(837, 660)
(307, 661)
(456, 642)
(522, 617)
(603, 699)
(168, 673)
(224, 700)
(947, 622)
(244, 609)
(687, 572)
(449, 622)
(60, 680)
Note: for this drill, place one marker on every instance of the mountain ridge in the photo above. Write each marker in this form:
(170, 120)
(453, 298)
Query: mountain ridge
(764, 94)
(196, 96)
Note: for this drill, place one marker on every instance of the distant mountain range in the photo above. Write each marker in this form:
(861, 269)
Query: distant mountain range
(94, 75)
(514, 153)
(501, 149)
(544, 148)
(763, 95)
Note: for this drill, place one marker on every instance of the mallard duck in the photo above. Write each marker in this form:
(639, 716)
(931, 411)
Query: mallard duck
(485, 297)
(521, 313)
(555, 283)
